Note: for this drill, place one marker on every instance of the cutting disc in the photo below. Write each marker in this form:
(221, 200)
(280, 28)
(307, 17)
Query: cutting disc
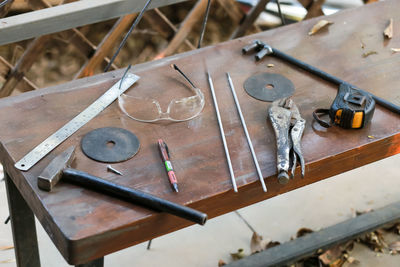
(268, 86)
(110, 144)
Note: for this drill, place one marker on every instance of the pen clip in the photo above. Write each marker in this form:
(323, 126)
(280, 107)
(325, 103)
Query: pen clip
(166, 148)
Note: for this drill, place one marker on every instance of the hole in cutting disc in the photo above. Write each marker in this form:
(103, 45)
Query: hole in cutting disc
(110, 144)
(268, 86)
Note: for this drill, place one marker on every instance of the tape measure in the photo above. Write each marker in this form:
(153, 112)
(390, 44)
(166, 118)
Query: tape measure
(72, 126)
(351, 109)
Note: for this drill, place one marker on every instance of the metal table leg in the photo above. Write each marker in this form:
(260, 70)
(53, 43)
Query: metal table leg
(94, 263)
(23, 227)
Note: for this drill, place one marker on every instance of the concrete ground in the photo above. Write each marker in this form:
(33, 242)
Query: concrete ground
(317, 206)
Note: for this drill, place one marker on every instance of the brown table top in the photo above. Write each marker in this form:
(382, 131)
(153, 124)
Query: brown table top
(85, 225)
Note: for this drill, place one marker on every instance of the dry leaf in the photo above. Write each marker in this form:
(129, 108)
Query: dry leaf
(337, 263)
(320, 24)
(270, 65)
(221, 263)
(6, 247)
(303, 231)
(331, 255)
(362, 44)
(347, 246)
(257, 243)
(272, 244)
(395, 50)
(374, 240)
(366, 54)
(393, 228)
(394, 247)
(312, 261)
(352, 260)
(388, 33)
(238, 255)
(358, 213)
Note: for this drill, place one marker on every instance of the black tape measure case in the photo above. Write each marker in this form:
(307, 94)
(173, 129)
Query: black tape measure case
(351, 109)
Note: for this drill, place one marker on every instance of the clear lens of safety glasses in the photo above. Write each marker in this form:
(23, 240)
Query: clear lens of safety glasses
(149, 110)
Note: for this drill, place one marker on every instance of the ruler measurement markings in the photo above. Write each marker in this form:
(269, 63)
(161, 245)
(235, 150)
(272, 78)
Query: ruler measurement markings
(75, 124)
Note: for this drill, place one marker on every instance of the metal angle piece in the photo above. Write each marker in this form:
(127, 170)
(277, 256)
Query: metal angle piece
(76, 123)
(268, 86)
(111, 169)
(110, 144)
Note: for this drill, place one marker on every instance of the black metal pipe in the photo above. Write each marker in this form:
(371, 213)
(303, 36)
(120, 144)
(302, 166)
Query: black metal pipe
(134, 196)
(330, 78)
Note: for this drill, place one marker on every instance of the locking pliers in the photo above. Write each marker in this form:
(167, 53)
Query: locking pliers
(289, 127)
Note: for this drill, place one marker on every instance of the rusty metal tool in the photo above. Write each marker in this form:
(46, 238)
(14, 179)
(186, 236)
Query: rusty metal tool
(264, 49)
(221, 129)
(59, 169)
(260, 176)
(289, 127)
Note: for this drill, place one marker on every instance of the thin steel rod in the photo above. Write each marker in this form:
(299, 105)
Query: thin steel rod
(137, 20)
(5, 2)
(260, 176)
(149, 244)
(245, 221)
(280, 12)
(221, 129)
(203, 27)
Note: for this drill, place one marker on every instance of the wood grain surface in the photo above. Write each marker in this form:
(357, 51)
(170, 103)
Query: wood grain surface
(86, 225)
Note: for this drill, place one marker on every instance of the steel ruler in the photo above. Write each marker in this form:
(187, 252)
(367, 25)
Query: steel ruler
(72, 126)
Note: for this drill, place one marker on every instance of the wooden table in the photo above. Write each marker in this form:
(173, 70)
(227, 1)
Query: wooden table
(85, 225)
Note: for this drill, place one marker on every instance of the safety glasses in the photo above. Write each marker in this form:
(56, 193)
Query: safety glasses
(149, 110)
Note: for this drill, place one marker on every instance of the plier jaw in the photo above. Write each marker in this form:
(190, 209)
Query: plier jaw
(288, 127)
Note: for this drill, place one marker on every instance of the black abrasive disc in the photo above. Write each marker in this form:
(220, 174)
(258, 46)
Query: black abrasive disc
(110, 144)
(268, 86)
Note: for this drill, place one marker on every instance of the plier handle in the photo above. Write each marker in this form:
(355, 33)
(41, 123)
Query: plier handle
(289, 127)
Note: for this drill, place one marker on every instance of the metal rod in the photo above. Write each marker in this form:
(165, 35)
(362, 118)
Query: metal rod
(123, 76)
(3, 3)
(137, 20)
(260, 176)
(221, 129)
(330, 78)
(245, 221)
(203, 27)
(149, 244)
(280, 12)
